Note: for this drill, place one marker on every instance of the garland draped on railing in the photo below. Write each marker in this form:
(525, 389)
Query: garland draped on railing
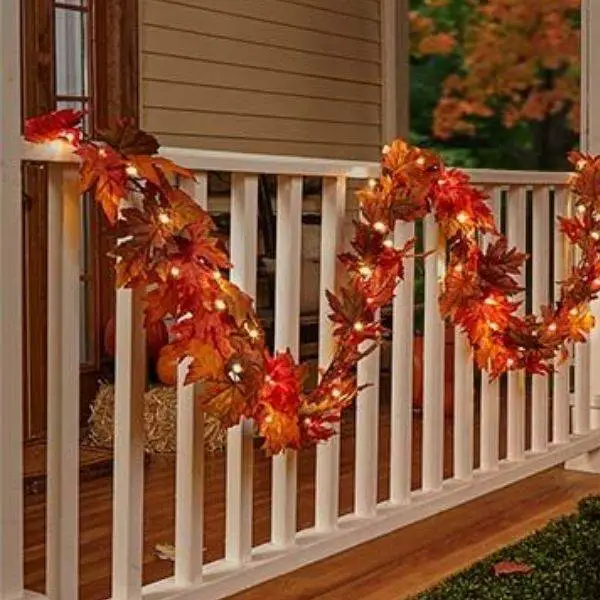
(168, 245)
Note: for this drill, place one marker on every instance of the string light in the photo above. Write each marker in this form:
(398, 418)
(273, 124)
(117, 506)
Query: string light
(359, 327)
(573, 312)
(365, 271)
(420, 161)
(102, 153)
(235, 372)
(269, 419)
(490, 301)
(176, 272)
(388, 243)
(510, 363)
(462, 217)
(164, 218)
(372, 183)
(380, 227)
(336, 393)
(385, 149)
(552, 327)
(595, 235)
(458, 268)
(220, 305)
(581, 209)
(494, 326)
(217, 275)
(132, 171)
(581, 164)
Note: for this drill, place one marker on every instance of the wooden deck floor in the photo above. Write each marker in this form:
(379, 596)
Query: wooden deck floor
(389, 568)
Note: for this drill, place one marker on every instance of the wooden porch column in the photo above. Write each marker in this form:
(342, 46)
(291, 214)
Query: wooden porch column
(11, 318)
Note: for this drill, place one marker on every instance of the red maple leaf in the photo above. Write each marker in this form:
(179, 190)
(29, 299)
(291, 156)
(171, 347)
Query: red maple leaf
(60, 124)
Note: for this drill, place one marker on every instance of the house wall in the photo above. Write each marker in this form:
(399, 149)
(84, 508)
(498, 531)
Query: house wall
(298, 77)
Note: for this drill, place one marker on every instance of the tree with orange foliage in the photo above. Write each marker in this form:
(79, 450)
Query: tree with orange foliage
(515, 61)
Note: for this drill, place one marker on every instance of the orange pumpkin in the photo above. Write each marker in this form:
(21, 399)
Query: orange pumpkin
(166, 366)
(157, 336)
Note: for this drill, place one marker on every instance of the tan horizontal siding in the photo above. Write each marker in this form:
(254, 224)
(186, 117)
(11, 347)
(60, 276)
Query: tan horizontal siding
(364, 9)
(174, 69)
(268, 76)
(216, 100)
(305, 17)
(240, 28)
(272, 128)
(284, 148)
(191, 45)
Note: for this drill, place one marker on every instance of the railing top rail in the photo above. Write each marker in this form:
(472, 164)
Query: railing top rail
(213, 160)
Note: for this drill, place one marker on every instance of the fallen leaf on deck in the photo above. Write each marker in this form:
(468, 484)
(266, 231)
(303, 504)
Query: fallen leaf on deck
(510, 568)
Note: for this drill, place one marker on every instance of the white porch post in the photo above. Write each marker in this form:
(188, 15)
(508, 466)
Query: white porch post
(590, 142)
(11, 298)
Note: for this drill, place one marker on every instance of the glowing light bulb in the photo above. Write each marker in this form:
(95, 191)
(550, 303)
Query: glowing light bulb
(268, 379)
(581, 164)
(131, 171)
(372, 183)
(164, 218)
(359, 327)
(385, 149)
(253, 333)
(307, 421)
(441, 182)
(217, 275)
(552, 327)
(365, 271)
(458, 268)
(596, 283)
(510, 363)
(420, 161)
(380, 227)
(237, 368)
(102, 153)
(581, 209)
(335, 392)
(595, 235)
(220, 305)
(268, 419)
(490, 301)
(494, 326)
(462, 217)
(388, 243)
(573, 312)
(176, 272)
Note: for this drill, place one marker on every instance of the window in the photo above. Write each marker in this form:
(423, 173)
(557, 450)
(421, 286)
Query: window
(72, 60)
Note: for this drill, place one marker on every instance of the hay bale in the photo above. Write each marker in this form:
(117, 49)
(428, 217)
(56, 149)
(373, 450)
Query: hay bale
(160, 421)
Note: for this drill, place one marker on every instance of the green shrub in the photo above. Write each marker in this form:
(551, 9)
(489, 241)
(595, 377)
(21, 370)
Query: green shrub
(565, 556)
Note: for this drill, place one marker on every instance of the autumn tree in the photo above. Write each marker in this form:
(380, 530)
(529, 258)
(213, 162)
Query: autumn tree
(509, 64)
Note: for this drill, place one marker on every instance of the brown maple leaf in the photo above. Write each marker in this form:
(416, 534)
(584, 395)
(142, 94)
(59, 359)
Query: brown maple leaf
(127, 139)
(510, 568)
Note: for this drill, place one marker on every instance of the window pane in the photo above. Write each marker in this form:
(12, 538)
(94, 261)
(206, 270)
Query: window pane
(70, 52)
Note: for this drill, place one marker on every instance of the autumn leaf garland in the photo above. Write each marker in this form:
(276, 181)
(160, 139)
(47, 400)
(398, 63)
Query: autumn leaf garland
(168, 245)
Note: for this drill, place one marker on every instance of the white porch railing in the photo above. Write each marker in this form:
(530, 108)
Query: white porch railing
(555, 437)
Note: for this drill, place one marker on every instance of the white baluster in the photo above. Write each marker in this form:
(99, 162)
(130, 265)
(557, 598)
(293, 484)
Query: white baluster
(328, 453)
(490, 390)
(516, 207)
(287, 336)
(560, 394)
(433, 365)
(244, 228)
(189, 510)
(11, 303)
(463, 408)
(367, 435)
(63, 382)
(540, 297)
(128, 496)
(402, 376)
(581, 412)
